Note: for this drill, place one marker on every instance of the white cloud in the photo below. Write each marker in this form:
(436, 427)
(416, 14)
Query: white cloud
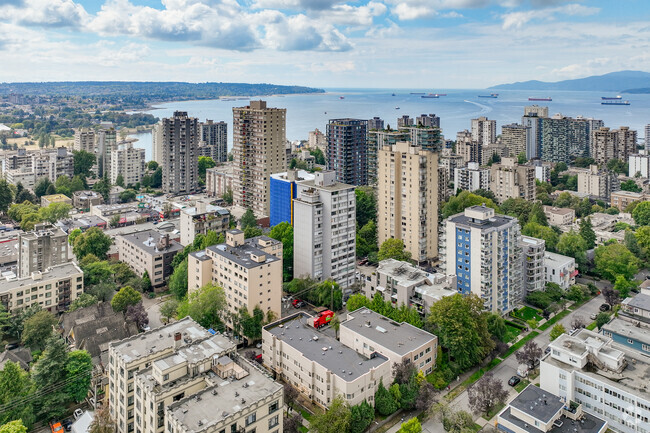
(356, 16)
(405, 11)
(516, 20)
(295, 4)
(299, 33)
(49, 13)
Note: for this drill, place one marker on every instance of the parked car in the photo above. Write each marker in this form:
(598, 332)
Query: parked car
(604, 307)
(547, 350)
(298, 303)
(514, 380)
(593, 316)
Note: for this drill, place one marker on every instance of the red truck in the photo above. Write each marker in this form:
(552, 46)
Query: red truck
(323, 319)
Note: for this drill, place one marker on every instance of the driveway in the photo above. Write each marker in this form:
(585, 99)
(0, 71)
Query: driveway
(152, 307)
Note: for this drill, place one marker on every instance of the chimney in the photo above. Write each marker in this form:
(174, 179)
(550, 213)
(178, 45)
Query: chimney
(177, 340)
(201, 207)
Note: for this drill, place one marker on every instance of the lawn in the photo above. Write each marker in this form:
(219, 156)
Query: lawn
(511, 333)
(521, 385)
(591, 326)
(494, 411)
(519, 344)
(559, 316)
(527, 313)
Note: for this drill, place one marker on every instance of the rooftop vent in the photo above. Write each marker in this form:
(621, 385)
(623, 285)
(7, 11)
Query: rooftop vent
(199, 423)
(214, 392)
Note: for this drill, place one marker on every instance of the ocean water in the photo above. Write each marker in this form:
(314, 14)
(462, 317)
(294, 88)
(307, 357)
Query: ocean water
(310, 111)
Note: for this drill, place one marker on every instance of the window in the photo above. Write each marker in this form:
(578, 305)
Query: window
(165, 377)
(273, 422)
(250, 419)
(275, 406)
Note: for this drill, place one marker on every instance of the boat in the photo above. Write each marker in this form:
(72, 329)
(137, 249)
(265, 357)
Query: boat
(393, 94)
(397, 108)
(617, 102)
(417, 93)
(441, 94)
(430, 95)
(541, 99)
(611, 98)
(341, 97)
(491, 95)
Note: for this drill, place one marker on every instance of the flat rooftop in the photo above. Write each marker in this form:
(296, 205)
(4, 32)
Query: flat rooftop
(147, 240)
(216, 345)
(338, 186)
(629, 330)
(641, 301)
(559, 210)
(557, 259)
(242, 254)
(209, 209)
(537, 403)
(57, 272)
(223, 399)
(159, 339)
(588, 424)
(342, 361)
(403, 273)
(494, 222)
(400, 338)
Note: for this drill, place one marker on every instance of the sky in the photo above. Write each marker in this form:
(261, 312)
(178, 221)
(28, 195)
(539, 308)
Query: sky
(438, 44)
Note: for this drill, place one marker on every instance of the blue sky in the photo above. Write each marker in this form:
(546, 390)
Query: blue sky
(323, 43)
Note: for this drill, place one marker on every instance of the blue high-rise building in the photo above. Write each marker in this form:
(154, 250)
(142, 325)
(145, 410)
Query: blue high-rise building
(282, 192)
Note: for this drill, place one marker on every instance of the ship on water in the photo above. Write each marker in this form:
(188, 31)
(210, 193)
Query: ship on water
(617, 102)
(417, 93)
(491, 95)
(611, 98)
(430, 95)
(541, 99)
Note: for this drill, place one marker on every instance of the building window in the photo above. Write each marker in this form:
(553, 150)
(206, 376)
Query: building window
(274, 422)
(275, 405)
(250, 419)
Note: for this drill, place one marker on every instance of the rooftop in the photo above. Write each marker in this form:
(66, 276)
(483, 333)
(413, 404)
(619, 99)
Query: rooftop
(400, 338)
(402, 272)
(630, 194)
(554, 259)
(329, 352)
(468, 220)
(57, 272)
(338, 186)
(56, 197)
(242, 254)
(209, 209)
(559, 210)
(533, 241)
(537, 403)
(641, 301)
(301, 175)
(629, 330)
(152, 242)
(159, 339)
(224, 399)
(216, 345)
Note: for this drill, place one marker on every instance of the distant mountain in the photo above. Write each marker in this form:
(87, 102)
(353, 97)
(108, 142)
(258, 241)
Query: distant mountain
(620, 82)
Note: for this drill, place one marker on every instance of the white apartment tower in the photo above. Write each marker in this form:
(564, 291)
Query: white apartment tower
(483, 250)
(106, 142)
(407, 198)
(129, 162)
(472, 177)
(259, 137)
(511, 180)
(43, 247)
(324, 227)
(84, 139)
(180, 140)
(484, 130)
(639, 163)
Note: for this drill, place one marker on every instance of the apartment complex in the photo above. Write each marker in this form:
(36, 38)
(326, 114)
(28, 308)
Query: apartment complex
(532, 254)
(513, 137)
(148, 251)
(318, 140)
(47, 200)
(469, 149)
(374, 123)
(560, 270)
(84, 139)
(23, 176)
(250, 272)
(377, 139)
(559, 216)
(608, 380)
(324, 224)
(450, 161)
(53, 289)
(259, 136)
(106, 142)
(428, 120)
(52, 164)
(472, 177)
(483, 250)
(639, 163)
(200, 219)
(129, 162)
(622, 199)
(609, 144)
(407, 198)
(347, 150)
(597, 183)
(213, 140)
(219, 180)
(283, 191)
(321, 367)
(86, 199)
(43, 247)
(511, 180)
(179, 136)
(484, 131)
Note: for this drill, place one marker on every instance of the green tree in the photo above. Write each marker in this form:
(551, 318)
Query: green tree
(615, 259)
(367, 239)
(251, 325)
(127, 196)
(19, 210)
(54, 212)
(156, 179)
(13, 427)
(521, 158)
(642, 236)
(38, 328)
(79, 366)
(385, 404)
(393, 249)
(557, 331)
(83, 162)
(212, 238)
(40, 189)
(496, 326)
(119, 180)
(537, 214)
(641, 213)
(630, 185)
(228, 197)
(6, 196)
(97, 272)
(573, 245)
(146, 282)
(73, 235)
(205, 162)
(248, 219)
(152, 165)
(178, 280)
(168, 309)
(51, 189)
(623, 286)
(357, 301)
(125, 297)
(251, 232)
(587, 232)
(205, 305)
(103, 187)
(84, 300)
(122, 273)
(411, 426)
(517, 207)
(48, 372)
(335, 420)
(15, 384)
(366, 204)
(361, 416)
(464, 200)
(283, 232)
(602, 319)
(93, 241)
(539, 231)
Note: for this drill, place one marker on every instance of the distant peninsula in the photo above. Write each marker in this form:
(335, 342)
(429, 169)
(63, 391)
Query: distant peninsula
(144, 93)
(620, 82)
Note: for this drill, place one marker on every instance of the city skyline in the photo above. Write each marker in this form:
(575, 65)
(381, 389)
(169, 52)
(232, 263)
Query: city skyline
(322, 43)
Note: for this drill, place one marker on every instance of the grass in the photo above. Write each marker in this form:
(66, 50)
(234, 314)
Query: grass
(306, 415)
(488, 416)
(591, 326)
(527, 313)
(559, 316)
(519, 344)
(521, 385)
(303, 429)
(493, 363)
(511, 333)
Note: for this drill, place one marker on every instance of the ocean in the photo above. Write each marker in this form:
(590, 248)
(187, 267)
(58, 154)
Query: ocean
(306, 112)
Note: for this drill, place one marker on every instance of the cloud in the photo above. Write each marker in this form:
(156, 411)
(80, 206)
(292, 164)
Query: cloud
(405, 11)
(295, 4)
(356, 16)
(419, 9)
(48, 13)
(516, 20)
(300, 33)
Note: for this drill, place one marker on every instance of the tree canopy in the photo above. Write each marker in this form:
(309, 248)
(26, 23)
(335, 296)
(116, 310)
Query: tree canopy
(464, 200)
(393, 249)
(615, 259)
(93, 241)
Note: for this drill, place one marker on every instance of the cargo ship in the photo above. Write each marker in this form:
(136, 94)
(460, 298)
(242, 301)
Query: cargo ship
(491, 95)
(341, 97)
(417, 93)
(430, 95)
(541, 99)
(611, 98)
(617, 102)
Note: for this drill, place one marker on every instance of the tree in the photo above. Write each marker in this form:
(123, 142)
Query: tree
(528, 354)
(51, 189)
(125, 297)
(283, 232)
(119, 181)
(587, 232)
(623, 286)
(573, 245)
(602, 319)
(642, 236)
(290, 394)
(251, 232)
(13, 427)
(464, 200)
(96, 272)
(72, 236)
(403, 371)
(54, 212)
(385, 404)
(178, 280)
(615, 259)
(357, 301)
(641, 213)
(578, 322)
(79, 367)
(517, 207)
(38, 328)
(103, 187)
(248, 219)
(40, 189)
(206, 306)
(152, 165)
(15, 384)
(205, 162)
(367, 239)
(317, 153)
(137, 314)
(6, 196)
(335, 420)
(168, 309)
(83, 162)
(486, 394)
(521, 158)
(461, 326)
(84, 300)
(539, 231)
(496, 326)
(393, 249)
(557, 331)
(361, 416)
(127, 195)
(156, 179)
(49, 371)
(93, 241)
(454, 421)
(146, 282)
(426, 396)
(366, 204)
(291, 424)
(630, 185)
(411, 426)
(228, 197)
(611, 296)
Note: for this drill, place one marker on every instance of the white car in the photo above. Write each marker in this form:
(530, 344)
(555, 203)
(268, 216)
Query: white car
(593, 316)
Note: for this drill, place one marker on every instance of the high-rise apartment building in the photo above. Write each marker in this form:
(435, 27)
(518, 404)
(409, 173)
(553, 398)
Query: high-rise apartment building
(513, 137)
(283, 191)
(597, 183)
(471, 178)
(129, 162)
(324, 227)
(532, 123)
(378, 139)
(180, 141)
(407, 199)
(511, 180)
(428, 120)
(375, 123)
(52, 164)
(347, 150)
(202, 218)
(532, 255)
(426, 137)
(405, 121)
(639, 163)
(450, 161)
(84, 139)
(106, 142)
(484, 130)
(213, 140)
(471, 150)
(259, 136)
(156, 142)
(562, 138)
(536, 111)
(609, 144)
(43, 247)
(647, 137)
(317, 140)
(483, 250)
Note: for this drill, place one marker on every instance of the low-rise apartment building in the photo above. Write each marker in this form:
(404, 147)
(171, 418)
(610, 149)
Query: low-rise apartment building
(622, 199)
(86, 199)
(319, 366)
(23, 175)
(41, 248)
(597, 183)
(148, 251)
(637, 306)
(219, 179)
(46, 200)
(472, 177)
(559, 216)
(559, 269)
(202, 218)
(368, 332)
(53, 289)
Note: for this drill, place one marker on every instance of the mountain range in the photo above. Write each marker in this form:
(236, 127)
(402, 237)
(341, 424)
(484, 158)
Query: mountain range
(620, 82)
